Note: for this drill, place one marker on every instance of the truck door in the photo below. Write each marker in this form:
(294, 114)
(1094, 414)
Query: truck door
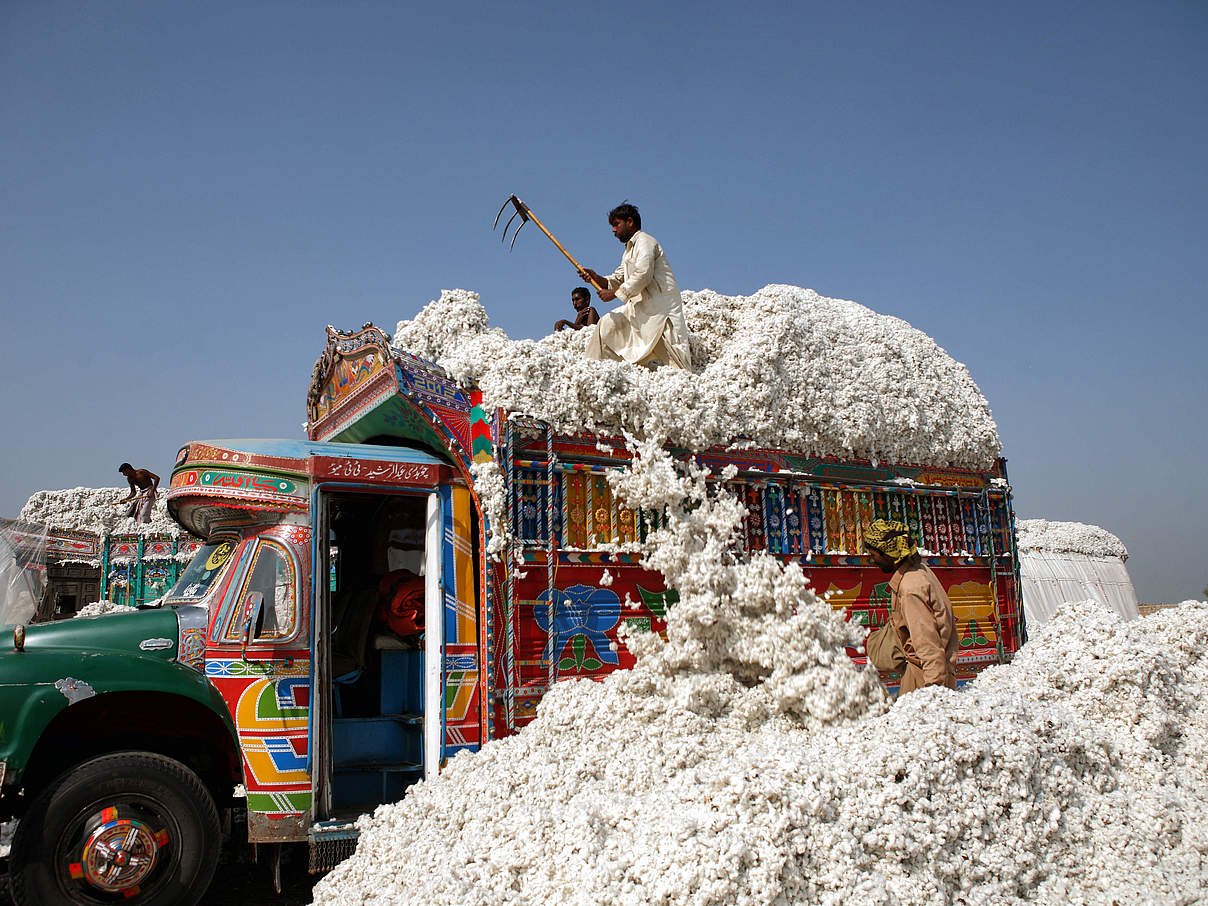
(258, 658)
(377, 648)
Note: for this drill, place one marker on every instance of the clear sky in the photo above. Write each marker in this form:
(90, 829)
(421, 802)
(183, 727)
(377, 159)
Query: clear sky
(190, 191)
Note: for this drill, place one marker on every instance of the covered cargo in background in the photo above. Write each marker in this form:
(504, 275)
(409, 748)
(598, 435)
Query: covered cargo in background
(95, 553)
(1070, 561)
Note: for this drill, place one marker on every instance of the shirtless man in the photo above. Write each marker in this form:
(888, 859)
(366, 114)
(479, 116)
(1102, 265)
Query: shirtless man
(580, 298)
(143, 485)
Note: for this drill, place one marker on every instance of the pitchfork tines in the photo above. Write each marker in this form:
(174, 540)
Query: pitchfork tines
(522, 211)
(525, 213)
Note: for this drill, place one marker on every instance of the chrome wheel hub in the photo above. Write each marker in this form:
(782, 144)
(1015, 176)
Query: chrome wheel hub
(119, 854)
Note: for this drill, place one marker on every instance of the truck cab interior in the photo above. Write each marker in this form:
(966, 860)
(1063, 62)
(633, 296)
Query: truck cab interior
(373, 579)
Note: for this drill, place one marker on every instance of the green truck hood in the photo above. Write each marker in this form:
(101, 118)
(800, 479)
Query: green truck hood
(73, 661)
(147, 633)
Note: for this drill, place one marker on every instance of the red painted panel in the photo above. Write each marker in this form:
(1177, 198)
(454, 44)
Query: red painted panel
(588, 615)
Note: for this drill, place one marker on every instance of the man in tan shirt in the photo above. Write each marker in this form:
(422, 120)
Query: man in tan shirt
(922, 614)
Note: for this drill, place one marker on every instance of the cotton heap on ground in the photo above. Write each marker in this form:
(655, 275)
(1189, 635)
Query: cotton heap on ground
(747, 760)
(95, 510)
(1068, 537)
(784, 367)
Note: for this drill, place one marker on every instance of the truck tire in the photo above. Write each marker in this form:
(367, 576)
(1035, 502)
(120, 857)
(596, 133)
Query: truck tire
(130, 827)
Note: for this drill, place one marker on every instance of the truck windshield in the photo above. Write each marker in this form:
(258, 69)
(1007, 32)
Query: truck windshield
(206, 566)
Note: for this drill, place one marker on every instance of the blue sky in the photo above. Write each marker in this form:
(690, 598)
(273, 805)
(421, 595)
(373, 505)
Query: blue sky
(190, 192)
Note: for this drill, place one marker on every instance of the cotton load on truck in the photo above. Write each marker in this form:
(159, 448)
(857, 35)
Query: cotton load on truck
(272, 665)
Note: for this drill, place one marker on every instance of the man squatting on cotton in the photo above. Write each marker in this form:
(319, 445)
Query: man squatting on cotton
(650, 328)
(922, 614)
(143, 485)
(580, 298)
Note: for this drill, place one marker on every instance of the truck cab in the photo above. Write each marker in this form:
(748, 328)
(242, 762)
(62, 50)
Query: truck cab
(275, 676)
(337, 697)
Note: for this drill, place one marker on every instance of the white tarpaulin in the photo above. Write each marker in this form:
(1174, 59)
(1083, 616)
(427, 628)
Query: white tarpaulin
(1051, 578)
(22, 571)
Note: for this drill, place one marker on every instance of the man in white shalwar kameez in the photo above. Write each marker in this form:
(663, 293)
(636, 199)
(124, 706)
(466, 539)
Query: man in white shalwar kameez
(650, 328)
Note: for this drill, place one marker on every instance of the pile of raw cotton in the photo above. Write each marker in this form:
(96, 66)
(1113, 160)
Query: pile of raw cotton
(783, 367)
(746, 760)
(95, 510)
(102, 608)
(1068, 538)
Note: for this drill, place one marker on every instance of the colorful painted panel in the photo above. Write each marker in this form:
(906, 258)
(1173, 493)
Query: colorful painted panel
(794, 519)
(347, 374)
(754, 524)
(578, 504)
(579, 632)
(600, 512)
(816, 517)
(462, 674)
(482, 435)
(531, 506)
(582, 515)
(278, 492)
(863, 595)
(270, 704)
(367, 471)
(72, 546)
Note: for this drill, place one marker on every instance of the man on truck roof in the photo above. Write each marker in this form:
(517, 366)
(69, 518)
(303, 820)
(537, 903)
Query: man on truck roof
(650, 328)
(143, 485)
(580, 298)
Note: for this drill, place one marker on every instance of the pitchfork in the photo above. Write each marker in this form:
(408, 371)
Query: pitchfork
(525, 213)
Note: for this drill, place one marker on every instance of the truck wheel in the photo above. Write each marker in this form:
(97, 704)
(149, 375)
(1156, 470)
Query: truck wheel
(130, 827)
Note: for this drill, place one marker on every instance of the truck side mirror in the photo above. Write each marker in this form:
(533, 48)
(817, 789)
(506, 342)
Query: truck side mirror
(252, 606)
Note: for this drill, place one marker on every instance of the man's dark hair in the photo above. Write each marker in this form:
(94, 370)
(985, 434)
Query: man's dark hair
(626, 211)
(580, 292)
(124, 466)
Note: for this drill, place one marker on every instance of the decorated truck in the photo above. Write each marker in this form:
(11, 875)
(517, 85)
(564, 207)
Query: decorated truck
(279, 692)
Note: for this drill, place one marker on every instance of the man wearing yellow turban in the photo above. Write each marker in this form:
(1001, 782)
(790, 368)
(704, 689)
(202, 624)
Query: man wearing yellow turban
(922, 614)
